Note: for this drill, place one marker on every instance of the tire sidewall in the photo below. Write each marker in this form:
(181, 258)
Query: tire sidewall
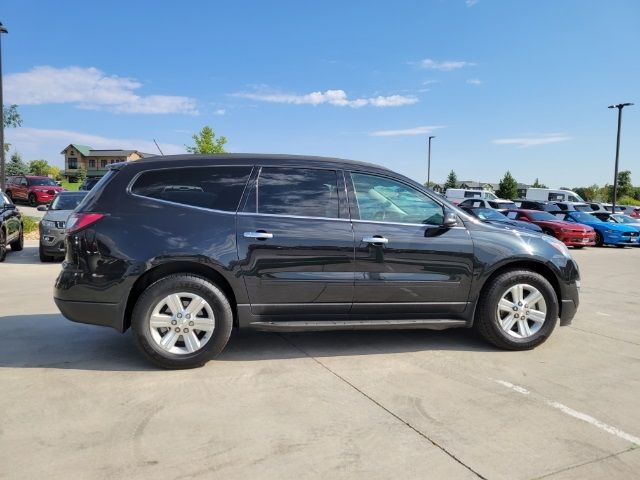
(33, 200)
(501, 284)
(174, 284)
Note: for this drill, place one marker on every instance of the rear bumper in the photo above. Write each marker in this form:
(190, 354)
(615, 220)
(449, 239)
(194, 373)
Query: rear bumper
(92, 313)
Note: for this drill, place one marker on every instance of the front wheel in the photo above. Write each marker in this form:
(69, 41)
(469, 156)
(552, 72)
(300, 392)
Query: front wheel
(182, 321)
(599, 240)
(33, 200)
(517, 311)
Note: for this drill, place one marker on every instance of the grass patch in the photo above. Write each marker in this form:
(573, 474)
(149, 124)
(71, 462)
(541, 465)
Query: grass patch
(71, 186)
(30, 224)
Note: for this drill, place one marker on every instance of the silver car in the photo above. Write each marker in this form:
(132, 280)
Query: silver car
(53, 224)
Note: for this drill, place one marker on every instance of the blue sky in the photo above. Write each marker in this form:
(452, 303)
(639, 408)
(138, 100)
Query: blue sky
(518, 85)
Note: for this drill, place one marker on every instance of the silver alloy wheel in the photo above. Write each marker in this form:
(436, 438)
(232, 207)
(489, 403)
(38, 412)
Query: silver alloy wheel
(521, 311)
(182, 323)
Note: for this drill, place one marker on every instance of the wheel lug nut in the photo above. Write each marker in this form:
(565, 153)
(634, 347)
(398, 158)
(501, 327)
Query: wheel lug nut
(179, 315)
(186, 330)
(177, 329)
(188, 316)
(519, 304)
(516, 315)
(515, 309)
(526, 305)
(191, 324)
(173, 322)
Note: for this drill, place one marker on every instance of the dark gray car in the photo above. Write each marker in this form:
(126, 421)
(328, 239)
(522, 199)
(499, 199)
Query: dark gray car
(53, 224)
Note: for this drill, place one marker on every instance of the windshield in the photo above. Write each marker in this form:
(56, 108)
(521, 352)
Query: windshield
(43, 181)
(583, 208)
(582, 217)
(489, 196)
(488, 214)
(67, 201)
(625, 219)
(542, 216)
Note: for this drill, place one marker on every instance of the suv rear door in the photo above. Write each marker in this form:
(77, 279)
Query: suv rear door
(407, 262)
(295, 242)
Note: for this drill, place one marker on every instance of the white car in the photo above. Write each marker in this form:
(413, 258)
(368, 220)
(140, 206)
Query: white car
(457, 195)
(497, 204)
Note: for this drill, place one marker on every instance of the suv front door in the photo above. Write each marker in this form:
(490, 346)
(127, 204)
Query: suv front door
(407, 262)
(295, 242)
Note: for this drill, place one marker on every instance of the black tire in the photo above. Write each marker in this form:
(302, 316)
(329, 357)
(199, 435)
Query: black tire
(599, 240)
(620, 246)
(3, 246)
(43, 256)
(548, 231)
(173, 284)
(18, 244)
(33, 200)
(486, 320)
(8, 193)
(578, 247)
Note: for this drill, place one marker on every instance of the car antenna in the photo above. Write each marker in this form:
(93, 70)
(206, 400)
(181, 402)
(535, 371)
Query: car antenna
(158, 147)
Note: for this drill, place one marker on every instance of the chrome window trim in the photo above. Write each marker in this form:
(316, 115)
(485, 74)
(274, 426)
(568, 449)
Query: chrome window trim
(292, 216)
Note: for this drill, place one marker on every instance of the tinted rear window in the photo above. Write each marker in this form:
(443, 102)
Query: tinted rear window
(218, 188)
(302, 192)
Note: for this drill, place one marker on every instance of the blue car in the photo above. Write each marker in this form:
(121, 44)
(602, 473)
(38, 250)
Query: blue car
(497, 219)
(607, 233)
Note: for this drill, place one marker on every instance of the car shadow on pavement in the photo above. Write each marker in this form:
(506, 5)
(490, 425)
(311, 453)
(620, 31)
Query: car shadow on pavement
(50, 341)
(28, 255)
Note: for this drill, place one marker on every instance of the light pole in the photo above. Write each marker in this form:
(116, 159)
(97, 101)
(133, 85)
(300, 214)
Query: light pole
(2, 30)
(620, 106)
(429, 163)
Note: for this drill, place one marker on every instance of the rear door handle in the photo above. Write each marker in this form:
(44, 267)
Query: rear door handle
(258, 235)
(376, 240)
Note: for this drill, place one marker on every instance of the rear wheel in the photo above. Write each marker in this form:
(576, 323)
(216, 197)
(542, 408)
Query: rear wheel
(599, 240)
(18, 244)
(3, 245)
(182, 321)
(33, 200)
(8, 192)
(517, 311)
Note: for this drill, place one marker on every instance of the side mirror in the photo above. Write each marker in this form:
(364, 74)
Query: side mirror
(42, 208)
(450, 220)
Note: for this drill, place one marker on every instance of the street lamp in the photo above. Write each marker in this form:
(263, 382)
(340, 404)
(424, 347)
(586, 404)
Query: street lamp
(429, 163)
(2, 30)
(620, 106)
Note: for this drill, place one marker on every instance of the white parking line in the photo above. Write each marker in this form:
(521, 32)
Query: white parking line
(602, 314)
(575, 414)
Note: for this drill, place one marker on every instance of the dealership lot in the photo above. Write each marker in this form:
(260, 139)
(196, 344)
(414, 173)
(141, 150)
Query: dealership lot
(79, 401)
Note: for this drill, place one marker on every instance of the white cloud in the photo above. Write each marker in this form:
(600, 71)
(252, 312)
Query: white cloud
(474, 81)
(424, 130)
(220, 111)
(533, 140)
(471, 3)
(337, 98)
(48, 143)
(444, 66)
(89, 88)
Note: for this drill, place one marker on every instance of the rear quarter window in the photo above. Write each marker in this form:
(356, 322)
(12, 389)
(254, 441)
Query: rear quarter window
(216, 188)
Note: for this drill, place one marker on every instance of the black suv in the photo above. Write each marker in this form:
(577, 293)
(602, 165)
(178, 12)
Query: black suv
(183, 248)
(544, 206)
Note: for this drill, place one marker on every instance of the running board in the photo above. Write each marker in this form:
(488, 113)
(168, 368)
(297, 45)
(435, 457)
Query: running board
(315, 325)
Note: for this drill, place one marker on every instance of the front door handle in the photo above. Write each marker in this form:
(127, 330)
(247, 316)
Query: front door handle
(258, 235)
(376, 240)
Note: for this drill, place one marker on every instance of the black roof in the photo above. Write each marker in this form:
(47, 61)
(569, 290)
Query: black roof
(264, 158)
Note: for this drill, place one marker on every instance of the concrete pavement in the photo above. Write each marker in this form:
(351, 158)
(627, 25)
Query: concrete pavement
(80, 402)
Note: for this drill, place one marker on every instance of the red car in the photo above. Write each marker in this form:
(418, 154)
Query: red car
(32, 189)
(571, 234)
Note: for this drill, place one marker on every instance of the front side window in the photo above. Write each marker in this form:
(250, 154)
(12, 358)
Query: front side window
(218, 188)
(556, 197)
(387, 200)
(300, 192)
(43, 182)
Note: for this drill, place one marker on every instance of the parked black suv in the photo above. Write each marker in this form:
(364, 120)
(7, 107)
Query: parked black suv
(183, 248)
(544, 206)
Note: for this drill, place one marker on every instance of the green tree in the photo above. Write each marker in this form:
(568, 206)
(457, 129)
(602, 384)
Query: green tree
(38, 167)
(625, 187)
(206, 142)
(590, 193)
(12, 118)
(508, 187)
(16, 166)
(81, 174)
(537, 184)
(452, 181)
(54, 172)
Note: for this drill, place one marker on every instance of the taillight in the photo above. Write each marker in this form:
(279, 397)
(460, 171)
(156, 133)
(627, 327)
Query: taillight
(78, 221)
